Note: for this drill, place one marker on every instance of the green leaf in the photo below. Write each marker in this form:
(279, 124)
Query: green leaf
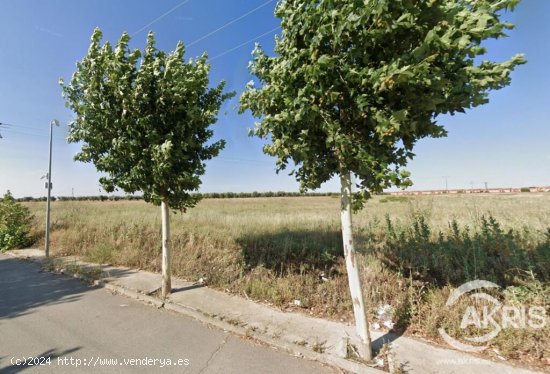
(146, 124)
(365, 80)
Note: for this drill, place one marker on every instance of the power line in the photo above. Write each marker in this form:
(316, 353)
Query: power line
(216, 30)
(30, 127)
(161, 16)
(229, 23)
(26, 128)
(4, 124)
(12, 131)
(243, 44)
(9, 126)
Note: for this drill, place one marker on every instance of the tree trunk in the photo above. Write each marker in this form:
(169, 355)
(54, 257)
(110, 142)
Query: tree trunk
(361, 323)
(166, 248)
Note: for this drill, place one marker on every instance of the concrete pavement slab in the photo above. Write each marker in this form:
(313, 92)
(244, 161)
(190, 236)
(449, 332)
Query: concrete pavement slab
(70, 327)
(299, 334)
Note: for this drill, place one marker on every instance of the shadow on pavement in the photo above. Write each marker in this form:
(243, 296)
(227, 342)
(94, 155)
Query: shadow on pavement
(387, 338)
(187, 288)
(24, 286)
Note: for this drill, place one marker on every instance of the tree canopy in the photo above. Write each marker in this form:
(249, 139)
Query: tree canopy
(355, 84)
(144, 118)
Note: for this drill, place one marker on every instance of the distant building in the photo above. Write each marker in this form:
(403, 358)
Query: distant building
(474, 190)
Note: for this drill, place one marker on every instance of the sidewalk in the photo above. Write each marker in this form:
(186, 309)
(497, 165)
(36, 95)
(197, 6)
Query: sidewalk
(313, 338)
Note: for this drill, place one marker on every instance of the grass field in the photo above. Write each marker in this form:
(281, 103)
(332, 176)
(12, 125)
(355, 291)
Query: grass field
(414, 250)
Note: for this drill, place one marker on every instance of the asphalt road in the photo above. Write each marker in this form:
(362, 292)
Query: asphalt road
(69, 327)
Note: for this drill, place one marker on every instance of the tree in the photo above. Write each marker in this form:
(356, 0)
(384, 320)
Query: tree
(15, 223)
(355, 84)
(146, 126)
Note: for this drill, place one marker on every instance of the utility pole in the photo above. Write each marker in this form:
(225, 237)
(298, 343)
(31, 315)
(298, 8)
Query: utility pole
(446, 183)
(49, 187)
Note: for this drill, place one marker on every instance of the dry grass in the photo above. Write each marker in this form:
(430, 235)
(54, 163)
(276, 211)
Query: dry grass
(275, 249)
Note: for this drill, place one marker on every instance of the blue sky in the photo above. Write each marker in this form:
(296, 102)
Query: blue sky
(504, 143)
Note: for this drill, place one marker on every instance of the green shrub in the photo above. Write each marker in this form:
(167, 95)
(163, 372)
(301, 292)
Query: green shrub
(461, 254)
(15, 222)
(394, 199)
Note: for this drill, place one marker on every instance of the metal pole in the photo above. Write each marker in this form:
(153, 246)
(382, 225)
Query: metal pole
(446, 183)
(47, 249)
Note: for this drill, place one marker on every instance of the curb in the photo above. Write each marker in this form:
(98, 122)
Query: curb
(328, 359)
(292, 349)
(203, 317)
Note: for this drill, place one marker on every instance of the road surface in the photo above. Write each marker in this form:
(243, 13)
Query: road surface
(65, 326)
